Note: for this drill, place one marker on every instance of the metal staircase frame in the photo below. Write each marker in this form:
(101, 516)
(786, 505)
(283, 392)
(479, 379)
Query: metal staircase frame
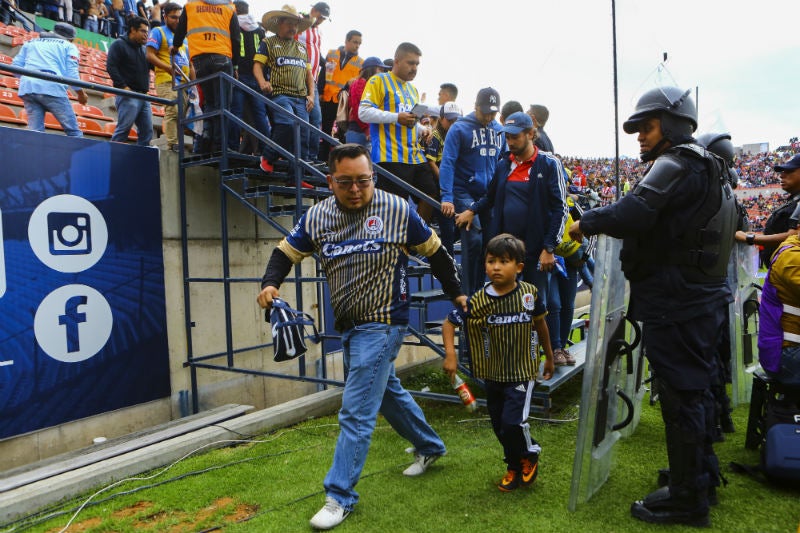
(228, 175)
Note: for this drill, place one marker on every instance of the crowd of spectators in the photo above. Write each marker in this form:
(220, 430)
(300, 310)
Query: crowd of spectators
(106, 17)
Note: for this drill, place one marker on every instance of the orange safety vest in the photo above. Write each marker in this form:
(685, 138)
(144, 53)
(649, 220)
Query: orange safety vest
(207, 28)
(335, 77)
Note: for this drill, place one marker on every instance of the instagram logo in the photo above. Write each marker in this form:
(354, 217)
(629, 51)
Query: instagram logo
(67, 233)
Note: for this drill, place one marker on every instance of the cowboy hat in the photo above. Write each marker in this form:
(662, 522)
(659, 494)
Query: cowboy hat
(271, 19)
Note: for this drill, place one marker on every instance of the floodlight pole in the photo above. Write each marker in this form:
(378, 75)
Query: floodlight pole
(616, 96)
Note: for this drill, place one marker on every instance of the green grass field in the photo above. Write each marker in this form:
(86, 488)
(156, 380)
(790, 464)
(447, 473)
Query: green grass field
(275, 485)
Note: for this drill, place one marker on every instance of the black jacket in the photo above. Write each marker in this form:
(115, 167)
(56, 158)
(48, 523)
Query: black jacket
(127, 65)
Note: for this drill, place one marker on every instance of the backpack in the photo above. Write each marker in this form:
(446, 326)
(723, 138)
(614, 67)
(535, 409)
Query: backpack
(778, 434)
(288, 331)
(780, 451)
(343, 111)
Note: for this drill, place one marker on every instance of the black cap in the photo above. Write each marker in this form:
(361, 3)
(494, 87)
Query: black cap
(323, 8)
(792, 164)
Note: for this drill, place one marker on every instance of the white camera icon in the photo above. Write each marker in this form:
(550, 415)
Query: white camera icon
(69, 233)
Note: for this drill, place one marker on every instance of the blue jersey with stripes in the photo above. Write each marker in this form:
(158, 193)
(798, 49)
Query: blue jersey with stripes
(393, 143)
(364, 254)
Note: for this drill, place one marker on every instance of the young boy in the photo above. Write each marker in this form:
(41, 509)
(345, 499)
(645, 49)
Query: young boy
(500, 322)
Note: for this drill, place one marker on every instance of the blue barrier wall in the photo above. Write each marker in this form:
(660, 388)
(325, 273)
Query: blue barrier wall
(82, 314)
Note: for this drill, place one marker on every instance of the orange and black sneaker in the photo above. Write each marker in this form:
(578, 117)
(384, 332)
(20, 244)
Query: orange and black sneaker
(529, 471)
(509, 482)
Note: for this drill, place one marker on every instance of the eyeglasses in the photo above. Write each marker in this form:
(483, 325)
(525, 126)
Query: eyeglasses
(347, 183)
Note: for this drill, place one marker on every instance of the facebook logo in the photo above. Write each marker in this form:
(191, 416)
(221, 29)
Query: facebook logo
(70, 320)
(73, 323)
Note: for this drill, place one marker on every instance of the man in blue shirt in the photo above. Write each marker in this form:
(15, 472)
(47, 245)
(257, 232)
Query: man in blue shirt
(55, 54)
(472, 148)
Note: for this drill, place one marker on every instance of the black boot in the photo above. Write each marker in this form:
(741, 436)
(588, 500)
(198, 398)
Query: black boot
(677, 507)
(663, 481)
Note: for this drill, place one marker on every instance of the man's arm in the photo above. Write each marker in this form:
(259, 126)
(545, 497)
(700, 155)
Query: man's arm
(450, 364)
(278, 268)
(236, 36)
(112, 65)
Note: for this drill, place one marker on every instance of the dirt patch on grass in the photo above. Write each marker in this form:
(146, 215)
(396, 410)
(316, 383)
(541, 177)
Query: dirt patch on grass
(220, 512)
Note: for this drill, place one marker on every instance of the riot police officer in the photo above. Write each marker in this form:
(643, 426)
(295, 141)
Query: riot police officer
(777, 227)
(677, 228)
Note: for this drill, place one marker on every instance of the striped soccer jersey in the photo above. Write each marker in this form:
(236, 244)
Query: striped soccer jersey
(500, 333)
(287, 62)
(393, 143)
(364, 254)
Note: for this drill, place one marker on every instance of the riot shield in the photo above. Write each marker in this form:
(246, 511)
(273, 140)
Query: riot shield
(612, 375)
(743, 323)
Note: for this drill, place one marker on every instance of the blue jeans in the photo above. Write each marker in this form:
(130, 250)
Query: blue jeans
(258, 110)
(372, 386)
(789, 372)
(283, 129)
(36, 105)
(132, 111)
(561, 306)
(539, 278)
(356, 136)
(472, 266)
(315, 119)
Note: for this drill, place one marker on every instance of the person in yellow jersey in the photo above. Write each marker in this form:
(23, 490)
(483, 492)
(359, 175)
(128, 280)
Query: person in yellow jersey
(395, 132)
(167, 75)
(212, 29)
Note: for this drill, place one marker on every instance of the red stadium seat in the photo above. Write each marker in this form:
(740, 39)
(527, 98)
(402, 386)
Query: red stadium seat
(50, 121)
(92, 127)
(89, 111)
(9, 81)
(8, 115)
(10, 96)
(109, 128)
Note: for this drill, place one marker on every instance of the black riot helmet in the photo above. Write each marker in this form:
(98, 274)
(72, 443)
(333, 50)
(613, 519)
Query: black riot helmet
(718, 143)
(676, 110)
(721, 145)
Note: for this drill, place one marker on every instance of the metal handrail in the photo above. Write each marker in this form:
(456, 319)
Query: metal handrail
(84, 84)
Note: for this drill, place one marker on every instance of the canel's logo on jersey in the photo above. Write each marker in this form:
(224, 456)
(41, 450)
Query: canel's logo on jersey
(290, 61)
(331, 250)
(509, 318)
(528, 301)
(373, 224)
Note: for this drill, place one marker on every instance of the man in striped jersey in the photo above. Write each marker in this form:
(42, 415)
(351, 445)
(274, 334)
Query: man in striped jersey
(395, 132)
(502, 324)
(283, 73)
(362, 237)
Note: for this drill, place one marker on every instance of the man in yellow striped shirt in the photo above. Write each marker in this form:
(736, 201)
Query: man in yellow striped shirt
(395, 132)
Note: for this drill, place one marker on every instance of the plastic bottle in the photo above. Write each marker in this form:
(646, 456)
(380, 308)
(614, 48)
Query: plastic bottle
(464, 393)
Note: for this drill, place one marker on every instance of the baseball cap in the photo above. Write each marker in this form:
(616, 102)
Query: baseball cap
(517, 123)
(450, 111)
(64, 30)
(323, 8)
(488, 100)
(373, 61)
(792, 164)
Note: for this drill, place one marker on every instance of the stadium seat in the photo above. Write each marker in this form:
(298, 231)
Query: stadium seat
(91, 127)
(109, 128)
(89, 111)
(8, 115)
(10, 96)
(50, 121)
(158, 110)
(9, 81)
(6, 59)
(96, 79)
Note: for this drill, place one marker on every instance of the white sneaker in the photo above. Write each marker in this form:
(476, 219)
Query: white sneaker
(420, 464)
(330, 516)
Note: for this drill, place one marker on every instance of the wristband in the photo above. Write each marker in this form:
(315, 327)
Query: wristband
(750, 239)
